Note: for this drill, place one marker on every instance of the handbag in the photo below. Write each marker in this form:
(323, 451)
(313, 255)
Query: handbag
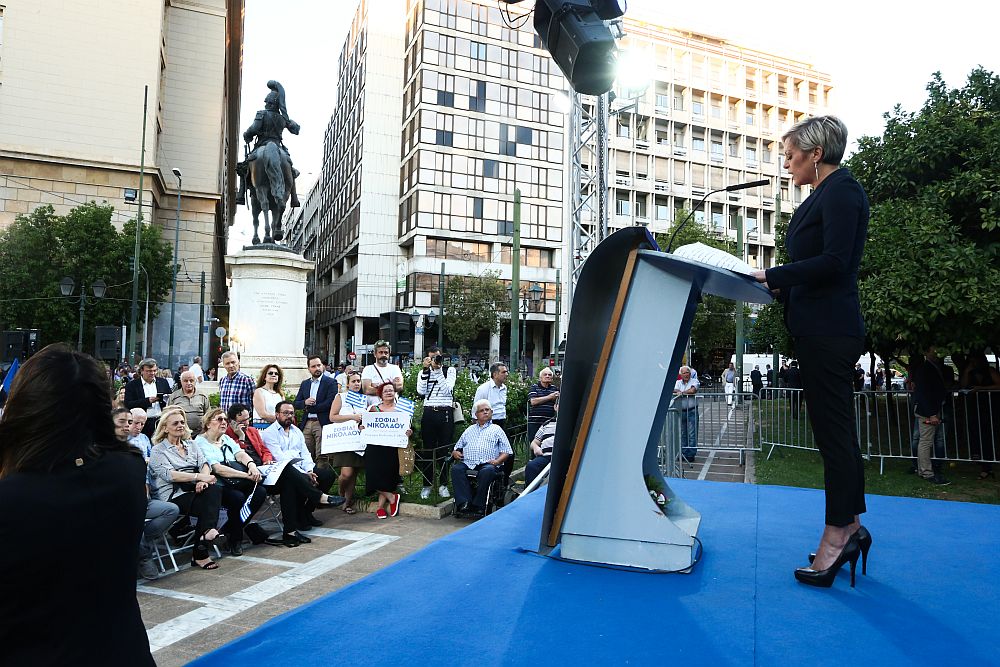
(235, 482)
(407, 457)
(457, 415)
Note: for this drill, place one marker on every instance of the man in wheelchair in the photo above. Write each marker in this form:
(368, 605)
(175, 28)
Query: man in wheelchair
(483, 448)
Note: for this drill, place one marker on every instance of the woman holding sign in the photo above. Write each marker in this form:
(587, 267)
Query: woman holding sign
(348, 406)
(382, 461)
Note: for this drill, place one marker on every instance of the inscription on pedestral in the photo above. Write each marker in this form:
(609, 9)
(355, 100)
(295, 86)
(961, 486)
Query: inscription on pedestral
(269, 303)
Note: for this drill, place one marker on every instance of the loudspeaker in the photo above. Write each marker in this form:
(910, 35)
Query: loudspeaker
(108, 343)
(13, 346)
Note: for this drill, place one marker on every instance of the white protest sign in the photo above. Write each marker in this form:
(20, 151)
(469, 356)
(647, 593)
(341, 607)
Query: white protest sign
(385, 428)
(342, 437)
(273, 471)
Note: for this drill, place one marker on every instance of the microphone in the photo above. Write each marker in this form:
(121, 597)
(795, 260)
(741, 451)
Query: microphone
(728, 188)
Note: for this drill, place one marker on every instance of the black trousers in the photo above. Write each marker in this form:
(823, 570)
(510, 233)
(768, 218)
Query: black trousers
(233, 498)
(436, 430)
(298, 495)
(827, 367)
(204, 507)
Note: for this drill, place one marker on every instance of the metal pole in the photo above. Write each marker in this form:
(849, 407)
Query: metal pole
(145, 326)
(83, 303)
(739, 312)
(558, 312)
(132, 347)
(515, 283)
(602, 166)
(201, 320)
(441, 302)
(173, 291)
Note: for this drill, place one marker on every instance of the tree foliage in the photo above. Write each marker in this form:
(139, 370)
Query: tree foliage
(930, 274)
(769, 328)
(473, 305)
(40, 248)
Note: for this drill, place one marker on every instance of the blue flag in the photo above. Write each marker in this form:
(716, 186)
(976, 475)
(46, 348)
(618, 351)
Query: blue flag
(245, 511)
(10, 374)
(356, 400)
(405, 405)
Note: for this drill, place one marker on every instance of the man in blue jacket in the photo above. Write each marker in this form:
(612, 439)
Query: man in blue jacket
(315, 397)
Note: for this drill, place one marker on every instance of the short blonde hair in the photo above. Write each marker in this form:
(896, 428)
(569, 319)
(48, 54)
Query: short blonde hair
(160, 433)
(212, 414)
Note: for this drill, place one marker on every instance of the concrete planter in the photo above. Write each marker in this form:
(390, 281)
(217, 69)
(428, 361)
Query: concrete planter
(438, 511)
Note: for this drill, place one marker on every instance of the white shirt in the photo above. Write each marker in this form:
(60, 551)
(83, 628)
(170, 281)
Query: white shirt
(313, 390)
(290, 444)
(149, 391)
(199, 375)
(497, 396)
(436, 387)
(377, 375)
(686, 401)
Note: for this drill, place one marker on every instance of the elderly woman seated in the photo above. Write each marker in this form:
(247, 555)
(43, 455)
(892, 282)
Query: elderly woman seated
(182, 475)
(238, 476)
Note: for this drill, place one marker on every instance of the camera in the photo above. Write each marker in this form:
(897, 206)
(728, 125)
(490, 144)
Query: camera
(437, 359)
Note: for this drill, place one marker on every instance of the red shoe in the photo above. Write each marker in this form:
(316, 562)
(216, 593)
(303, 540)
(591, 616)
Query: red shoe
(381, 514)
(394, 506)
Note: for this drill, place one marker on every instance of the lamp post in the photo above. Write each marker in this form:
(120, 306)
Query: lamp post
(173, 293)
(418, 334)
(66, 286)
(145, 326)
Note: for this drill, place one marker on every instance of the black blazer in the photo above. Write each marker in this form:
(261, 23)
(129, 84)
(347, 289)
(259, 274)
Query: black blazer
(136, 398)
(53, 613)
(825, 241)
(324, 399)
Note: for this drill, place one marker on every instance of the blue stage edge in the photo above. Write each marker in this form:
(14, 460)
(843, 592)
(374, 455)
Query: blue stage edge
(931, 597)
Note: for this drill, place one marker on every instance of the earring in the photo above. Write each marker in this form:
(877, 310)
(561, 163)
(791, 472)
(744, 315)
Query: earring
(816, 167)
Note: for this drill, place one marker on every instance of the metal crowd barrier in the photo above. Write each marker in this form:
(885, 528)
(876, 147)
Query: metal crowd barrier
(885, 424)
(726, 422)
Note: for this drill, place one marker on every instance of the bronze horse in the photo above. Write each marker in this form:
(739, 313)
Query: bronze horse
(270, 187)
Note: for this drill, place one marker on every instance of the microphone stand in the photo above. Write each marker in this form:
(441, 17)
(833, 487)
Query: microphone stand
(728, 188)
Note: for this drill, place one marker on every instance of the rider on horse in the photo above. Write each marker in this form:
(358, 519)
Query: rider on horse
(267, 127)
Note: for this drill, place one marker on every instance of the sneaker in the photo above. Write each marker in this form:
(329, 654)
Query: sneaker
(939, 480)
(381, 514)
(148, 569)
(425, 492)
(443, 491)
(394, 506)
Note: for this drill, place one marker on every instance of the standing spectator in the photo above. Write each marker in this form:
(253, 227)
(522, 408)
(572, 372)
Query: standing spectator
(541, 448)
(483, 448)
(177, 376)
(685, 388)
(346, 408)
(267, 395)
(340, 376)
(168, 376)
(194, 403)
(286, 442)
(315, 398)
(211, 375)
(68, 481)
(437, 425)
(980, 383)
(541, 399)
(382, 462)
(375, 375)
(756, 380)
(781, 373)
(148, 392)
(236, 387)
(199, 374)
(769, 376)
(859, 377)
(729, 383)
(182, 476)
(793, 380)
(494, 390)
(929, 393)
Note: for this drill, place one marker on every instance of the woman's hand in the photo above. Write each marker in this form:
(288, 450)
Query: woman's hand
(254, 473)
(409, 432)
(200, 486)
(759, 276)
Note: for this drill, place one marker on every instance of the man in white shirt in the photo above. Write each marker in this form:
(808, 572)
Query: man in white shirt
(729, 383)
(148, 392)
(381, 371)
(494, 390)
(199, 374)
(684, 390)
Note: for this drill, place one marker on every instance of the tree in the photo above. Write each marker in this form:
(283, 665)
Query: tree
(930, 274)
(40, 248)
(473, 305)
(769, 328)
(714, 325)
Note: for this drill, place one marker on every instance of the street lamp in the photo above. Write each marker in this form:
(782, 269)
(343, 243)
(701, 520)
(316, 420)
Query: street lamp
(66, 286)
(173, 294)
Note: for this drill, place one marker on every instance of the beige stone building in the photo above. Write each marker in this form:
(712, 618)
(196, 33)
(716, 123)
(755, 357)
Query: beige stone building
(72, 78)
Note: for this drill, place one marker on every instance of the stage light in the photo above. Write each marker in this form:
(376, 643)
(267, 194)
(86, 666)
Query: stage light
(579, 42)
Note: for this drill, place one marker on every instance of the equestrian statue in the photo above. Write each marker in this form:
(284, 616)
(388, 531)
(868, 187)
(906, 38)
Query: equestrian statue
(267, 171)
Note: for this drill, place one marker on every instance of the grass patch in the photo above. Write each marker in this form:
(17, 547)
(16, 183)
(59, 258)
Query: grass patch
(793, 467)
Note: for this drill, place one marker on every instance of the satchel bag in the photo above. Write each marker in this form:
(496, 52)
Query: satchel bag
(240, 483)
(407, 457)
(456, 412)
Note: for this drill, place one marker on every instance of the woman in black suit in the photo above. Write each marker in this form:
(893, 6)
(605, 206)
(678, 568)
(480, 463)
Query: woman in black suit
(74, 504)
(819, 289)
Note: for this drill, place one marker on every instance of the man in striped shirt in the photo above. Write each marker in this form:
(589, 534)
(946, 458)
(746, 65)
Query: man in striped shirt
(236, 387)
(437, 426)
(483, 447)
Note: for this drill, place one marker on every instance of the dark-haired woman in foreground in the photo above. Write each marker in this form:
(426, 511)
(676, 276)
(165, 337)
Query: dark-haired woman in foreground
(819, 288)
(68, 486)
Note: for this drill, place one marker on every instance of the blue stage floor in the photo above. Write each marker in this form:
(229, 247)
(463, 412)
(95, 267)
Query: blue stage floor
(931, 597)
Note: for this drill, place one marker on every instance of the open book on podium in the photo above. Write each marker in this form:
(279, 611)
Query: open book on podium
(635, 305)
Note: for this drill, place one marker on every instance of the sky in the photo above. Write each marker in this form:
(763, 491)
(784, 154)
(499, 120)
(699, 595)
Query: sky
(878, 53)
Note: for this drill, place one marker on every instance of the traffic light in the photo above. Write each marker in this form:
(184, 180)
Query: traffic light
(574, 33)
(349, 344)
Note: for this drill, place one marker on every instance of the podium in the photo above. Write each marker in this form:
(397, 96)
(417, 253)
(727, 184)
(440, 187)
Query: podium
(630, 321)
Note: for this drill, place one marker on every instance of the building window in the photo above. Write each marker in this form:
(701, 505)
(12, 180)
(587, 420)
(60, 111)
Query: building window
(490, 168)
(443, 137)
(477, 208)
(698, 108)
(698, 143)
(445, 98)
(622, 207)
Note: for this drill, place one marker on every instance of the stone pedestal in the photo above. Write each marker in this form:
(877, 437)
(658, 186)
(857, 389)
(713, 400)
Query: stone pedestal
(267, 310)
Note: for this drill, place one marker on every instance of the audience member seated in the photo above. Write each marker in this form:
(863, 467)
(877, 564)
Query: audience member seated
(541, 448)
(483, 447)
(237, 476)
(302, 486)
(72, 494)
(136, 437)
(182, 476)
(195, 403)
(246, 436)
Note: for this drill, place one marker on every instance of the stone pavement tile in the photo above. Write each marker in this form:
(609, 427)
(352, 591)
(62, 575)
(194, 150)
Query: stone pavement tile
(156, 609)
(208, 639)
(253, 573)
(172, 657)
(260, 614)
(213, 583)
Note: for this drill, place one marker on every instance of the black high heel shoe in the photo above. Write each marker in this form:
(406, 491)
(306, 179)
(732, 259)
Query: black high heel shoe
(864, 542)
(824, 578)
